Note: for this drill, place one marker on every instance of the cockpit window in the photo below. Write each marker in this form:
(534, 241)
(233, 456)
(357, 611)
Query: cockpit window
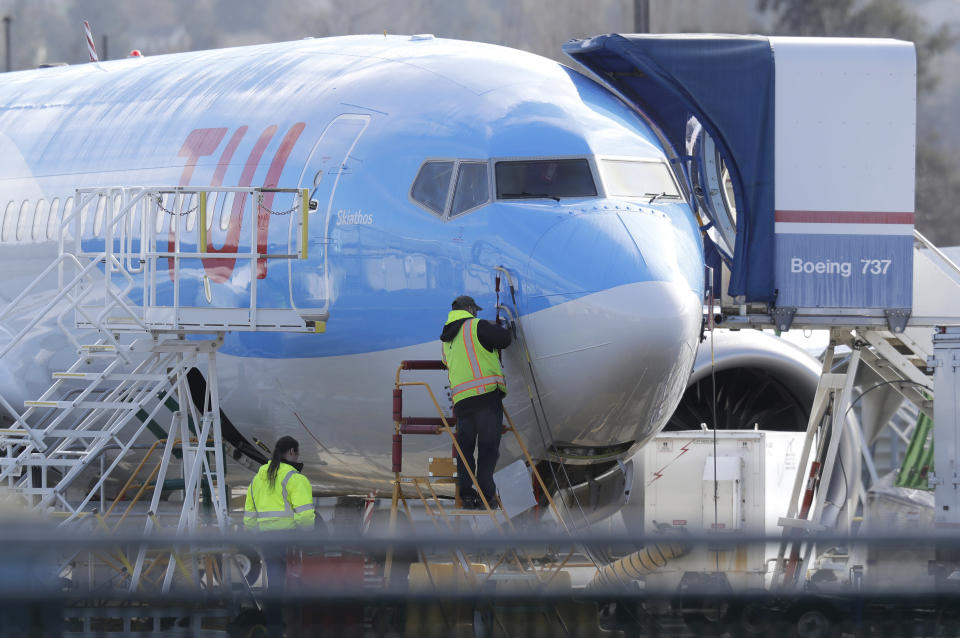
(638, 179)
(472, 188)
(532, 179)
(432, 185)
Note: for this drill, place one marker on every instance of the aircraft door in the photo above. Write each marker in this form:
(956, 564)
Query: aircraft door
(327, 165)
(713, 188)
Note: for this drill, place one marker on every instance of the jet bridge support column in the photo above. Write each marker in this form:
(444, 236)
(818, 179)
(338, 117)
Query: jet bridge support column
(945, 479)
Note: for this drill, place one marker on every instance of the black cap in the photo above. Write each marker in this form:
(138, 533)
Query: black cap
(463, 302)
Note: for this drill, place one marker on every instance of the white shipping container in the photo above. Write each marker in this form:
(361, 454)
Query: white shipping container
(755, 471)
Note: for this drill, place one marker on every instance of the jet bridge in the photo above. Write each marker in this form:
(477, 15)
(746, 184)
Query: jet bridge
(798, 154)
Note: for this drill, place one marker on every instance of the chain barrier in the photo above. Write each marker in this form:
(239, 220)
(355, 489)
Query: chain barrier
(171, 212)
(278, 213)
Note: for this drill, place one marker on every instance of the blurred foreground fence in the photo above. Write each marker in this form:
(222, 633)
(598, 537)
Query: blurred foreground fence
(469, 584)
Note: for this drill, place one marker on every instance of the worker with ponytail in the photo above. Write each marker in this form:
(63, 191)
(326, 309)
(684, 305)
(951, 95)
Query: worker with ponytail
(280, 497)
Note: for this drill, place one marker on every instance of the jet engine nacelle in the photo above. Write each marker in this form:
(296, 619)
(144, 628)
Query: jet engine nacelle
(755, 380)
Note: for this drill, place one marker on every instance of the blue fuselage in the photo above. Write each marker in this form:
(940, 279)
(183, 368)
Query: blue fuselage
(609, 285)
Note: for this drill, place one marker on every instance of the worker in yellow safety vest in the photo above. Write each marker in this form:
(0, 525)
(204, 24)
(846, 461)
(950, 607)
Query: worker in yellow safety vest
(477, 386)
(279, 498)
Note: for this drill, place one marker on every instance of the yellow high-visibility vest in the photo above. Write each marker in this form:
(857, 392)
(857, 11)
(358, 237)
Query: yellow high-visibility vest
(287, 504)
(472, 369)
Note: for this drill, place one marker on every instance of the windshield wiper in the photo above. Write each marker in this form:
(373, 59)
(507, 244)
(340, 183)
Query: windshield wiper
(654, 196)
(526, 194)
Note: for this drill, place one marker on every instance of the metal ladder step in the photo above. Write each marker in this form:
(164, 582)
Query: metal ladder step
(109, 349)
(5, 432)
(98, 347)
(60, 434)
(6, 461)
(105, 405)
(801, 523)
(94, 376)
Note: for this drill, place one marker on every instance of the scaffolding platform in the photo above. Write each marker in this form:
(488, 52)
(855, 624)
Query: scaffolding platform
(121, 301)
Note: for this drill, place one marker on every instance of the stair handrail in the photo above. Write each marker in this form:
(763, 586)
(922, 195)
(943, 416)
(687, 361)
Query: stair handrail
(112, 259)
(170, 389)
(119, 236)
(444, 426)
(40, 435)
(63, 293)
(944, 259)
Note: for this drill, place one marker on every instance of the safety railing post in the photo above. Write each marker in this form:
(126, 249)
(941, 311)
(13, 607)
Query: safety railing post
(202, 204)
(304, 223)
(175, 228)
(256, 205)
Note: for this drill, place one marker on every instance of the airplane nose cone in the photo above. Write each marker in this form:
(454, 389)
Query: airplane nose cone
(613, 345)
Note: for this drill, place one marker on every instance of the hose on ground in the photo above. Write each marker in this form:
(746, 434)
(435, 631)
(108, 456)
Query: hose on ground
(619, 573)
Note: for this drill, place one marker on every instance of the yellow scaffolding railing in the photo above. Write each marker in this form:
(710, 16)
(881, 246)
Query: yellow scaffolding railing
(433, 504)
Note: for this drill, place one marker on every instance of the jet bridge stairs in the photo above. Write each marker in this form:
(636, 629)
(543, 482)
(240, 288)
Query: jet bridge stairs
(900, 348)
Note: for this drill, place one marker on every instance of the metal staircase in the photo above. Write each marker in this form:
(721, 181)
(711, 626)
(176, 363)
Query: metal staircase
(901, 356)
(75, 431)
(895, 359)
(121, 307)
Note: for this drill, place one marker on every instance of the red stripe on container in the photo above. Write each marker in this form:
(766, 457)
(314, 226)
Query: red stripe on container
(842, 217)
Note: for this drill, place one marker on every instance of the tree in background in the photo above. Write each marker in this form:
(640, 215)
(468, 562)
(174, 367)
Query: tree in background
(50, 31)
(938, 180)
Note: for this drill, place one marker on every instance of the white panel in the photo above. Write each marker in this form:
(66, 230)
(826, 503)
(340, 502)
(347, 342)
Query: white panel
(720, 501)
(845, 124)
(515, 486)
(934, 286)
(802, 228)
(728, 468)
(782, 457)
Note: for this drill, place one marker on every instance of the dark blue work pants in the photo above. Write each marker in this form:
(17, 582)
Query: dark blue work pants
(276, 563)
(481, 430)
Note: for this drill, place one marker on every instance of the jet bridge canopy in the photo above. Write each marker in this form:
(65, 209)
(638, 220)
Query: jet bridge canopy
(799, 150)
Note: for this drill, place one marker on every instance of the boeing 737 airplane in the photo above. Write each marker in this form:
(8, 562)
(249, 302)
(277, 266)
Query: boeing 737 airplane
(432, 163)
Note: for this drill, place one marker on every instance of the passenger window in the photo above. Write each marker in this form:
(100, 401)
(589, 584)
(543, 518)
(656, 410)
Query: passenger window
(187, 206)
(98, 216)
(23, 221)
(83, 214)
(537, 179)
(39, 220)
(52, 221)
(211, 208)
(433, 185)
(160, 211)
(68, 205)
(472, 189)
(9, 219)
(225, 204)
(117, 205)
